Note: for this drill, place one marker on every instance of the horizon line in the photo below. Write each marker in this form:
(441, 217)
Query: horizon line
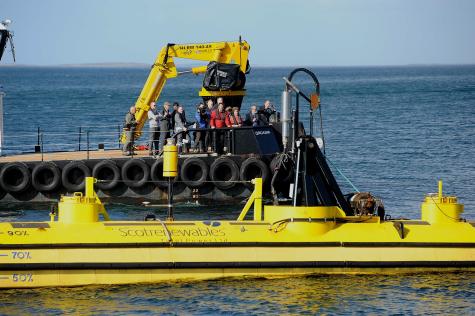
(144, 65)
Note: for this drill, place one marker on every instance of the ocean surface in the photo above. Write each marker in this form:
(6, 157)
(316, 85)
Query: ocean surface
(393, 131)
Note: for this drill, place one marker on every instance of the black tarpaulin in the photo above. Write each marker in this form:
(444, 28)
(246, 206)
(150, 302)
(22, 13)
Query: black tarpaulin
(220, 76)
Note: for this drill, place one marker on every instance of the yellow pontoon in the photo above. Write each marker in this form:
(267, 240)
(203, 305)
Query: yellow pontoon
(319, 232)
(78, 249)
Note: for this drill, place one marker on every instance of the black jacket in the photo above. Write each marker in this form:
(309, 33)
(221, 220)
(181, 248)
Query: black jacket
(165, 121)
(265, 114)
(252, 119)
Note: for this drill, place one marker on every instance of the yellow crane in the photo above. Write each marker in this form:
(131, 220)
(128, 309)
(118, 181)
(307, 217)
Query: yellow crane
(164, 68)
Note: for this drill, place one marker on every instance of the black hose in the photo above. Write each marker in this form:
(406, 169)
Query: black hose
(281, 158)
(272, 188)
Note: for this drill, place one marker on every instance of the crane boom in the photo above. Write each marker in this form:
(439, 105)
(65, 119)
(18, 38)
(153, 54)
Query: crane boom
(164, 68)
(6, 36)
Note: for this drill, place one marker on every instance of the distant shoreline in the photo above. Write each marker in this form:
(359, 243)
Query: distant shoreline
(87, 65)
(143, 66)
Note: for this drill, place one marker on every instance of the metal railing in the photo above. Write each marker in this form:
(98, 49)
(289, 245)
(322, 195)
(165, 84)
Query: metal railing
(89, 138)
(82, 138)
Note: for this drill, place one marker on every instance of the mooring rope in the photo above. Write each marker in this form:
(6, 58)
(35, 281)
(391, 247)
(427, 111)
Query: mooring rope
(341, 173)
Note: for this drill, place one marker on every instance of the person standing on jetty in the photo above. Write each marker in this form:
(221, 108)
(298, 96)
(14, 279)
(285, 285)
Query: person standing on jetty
(234, 119)
(228, 111)
(210, 105)
(219, 101)
(175, 109)
(129, 128)
(165, 125)
(153, 119)
(209, 136)
(181, 130)
(252, 117)
(268, 113)
(201, 118)
(218, 120)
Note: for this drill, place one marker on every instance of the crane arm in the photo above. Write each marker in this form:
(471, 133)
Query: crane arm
(164, 68)
(5, 36)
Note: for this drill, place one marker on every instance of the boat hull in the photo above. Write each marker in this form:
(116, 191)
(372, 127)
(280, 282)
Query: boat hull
(69, 252)
(55, 278)
(72, 265)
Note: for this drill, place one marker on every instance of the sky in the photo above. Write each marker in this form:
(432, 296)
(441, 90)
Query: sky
(281, 33)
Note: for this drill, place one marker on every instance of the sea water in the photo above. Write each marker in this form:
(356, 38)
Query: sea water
(392, 131)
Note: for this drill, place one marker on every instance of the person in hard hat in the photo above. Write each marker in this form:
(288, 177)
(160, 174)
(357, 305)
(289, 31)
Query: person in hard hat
(129, 128)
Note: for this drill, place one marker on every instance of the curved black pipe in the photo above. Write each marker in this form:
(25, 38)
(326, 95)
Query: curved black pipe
(311, 74)
(317, 91)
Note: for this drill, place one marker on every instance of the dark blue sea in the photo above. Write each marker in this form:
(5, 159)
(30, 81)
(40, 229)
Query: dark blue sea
(393, 131)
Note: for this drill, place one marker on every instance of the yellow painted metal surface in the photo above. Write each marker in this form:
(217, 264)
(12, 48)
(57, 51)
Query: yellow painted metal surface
(49, 278)
(438, 208)
(172, 253)
(229, 93)
(80, 208)
(231, 231)
(164, 68)
(279, 240)
(256, 200)
(170, 160)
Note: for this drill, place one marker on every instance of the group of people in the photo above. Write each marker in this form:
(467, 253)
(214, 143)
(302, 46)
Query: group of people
(171, 120)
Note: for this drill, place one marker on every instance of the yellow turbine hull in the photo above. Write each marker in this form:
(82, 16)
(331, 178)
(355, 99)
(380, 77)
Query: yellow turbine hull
(58, 254)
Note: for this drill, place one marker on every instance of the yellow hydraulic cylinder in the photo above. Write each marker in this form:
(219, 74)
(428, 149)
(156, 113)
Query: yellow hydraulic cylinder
(170, 159)
(437, 209)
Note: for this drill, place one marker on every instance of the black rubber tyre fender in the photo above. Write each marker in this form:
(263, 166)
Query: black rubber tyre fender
(135, 173)
(73, 176)
(156, 174)
(194, 172)
(15, 177)
(224, 169)
(254, 168)
(46, 176)
(108, 171)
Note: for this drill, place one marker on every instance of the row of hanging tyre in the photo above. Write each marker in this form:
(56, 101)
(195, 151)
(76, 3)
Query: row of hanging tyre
(68, 176)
